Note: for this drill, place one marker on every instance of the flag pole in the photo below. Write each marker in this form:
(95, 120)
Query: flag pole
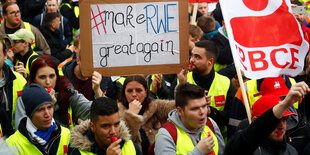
(244, 94)
(194, 14)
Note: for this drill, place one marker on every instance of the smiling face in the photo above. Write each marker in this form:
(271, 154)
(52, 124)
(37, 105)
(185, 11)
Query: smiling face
(194, 114)
(135, 91)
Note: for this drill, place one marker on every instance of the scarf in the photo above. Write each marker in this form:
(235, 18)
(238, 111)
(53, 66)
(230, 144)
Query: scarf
(41, 136)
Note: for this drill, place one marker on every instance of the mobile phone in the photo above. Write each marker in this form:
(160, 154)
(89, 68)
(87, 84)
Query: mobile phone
(299, 9)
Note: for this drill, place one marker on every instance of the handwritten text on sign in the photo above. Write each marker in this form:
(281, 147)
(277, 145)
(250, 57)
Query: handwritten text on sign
(135, 34)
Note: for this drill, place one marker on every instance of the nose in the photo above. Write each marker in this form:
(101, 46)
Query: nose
(48, 81)
(134, 93)
(113, 130)
(47, 113)
(191, 60)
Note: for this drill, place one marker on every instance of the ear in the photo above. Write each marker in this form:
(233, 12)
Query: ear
(211, 61)
(92, 126)
(180, 111)
(77, 60)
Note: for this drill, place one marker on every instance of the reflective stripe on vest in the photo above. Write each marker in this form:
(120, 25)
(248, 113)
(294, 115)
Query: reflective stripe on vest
(18, 86)
(218, 89)
(217, 67)
(1, 134)
(71, 125)
(184, 143)
(21, 145)
(28, 27)
(127, 149)
(27, 63)
(59, 67)
(251, 87)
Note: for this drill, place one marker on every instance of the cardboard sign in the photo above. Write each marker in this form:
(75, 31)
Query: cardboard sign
(133, 37)
(265, 38)
(203, 1)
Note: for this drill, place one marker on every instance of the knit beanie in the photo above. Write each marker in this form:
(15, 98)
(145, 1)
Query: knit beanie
(33, 97)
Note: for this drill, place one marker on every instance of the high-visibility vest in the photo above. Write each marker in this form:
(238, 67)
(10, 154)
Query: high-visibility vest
(251, 88)
(217, 67)
(59, 67)
(21, 145)
(184, 143)
(27, 64)
(71, 125)
(76, 11)
(121, 80)
(127, 149)
(1, 133)
(28, 27)
(18, 87)
(218, 90)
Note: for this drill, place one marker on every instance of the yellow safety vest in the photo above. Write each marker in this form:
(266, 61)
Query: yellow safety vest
(121, 80)
(28, 27)
(76, 11)
(217, 67)
(21, 145)
(251, 87)
(18, 86)
(184, 143)
(127, 149)
(59, 67)
(27, 64)
(71, 125)
(1, 133)
(218, 89)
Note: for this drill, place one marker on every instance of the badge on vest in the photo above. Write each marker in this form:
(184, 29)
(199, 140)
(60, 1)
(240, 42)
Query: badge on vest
(219, 100)
(70, 121)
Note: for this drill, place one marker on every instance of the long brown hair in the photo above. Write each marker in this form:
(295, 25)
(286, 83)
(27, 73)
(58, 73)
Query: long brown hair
(143, 82)
(62, 86)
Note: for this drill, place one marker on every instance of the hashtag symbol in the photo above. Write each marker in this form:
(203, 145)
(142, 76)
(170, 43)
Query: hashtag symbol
(100, 22)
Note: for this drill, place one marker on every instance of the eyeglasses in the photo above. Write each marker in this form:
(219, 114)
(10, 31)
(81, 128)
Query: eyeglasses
(17, 41)
(14, 13)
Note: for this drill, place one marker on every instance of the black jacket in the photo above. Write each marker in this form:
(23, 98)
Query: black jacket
(58, 50)
(107, 85)
(253, 139)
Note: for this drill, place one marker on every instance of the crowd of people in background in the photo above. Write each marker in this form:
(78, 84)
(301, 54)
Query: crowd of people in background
(47, 105)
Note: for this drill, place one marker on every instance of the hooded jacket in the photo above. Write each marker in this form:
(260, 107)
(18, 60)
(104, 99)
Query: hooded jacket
(150, 121)
(166, 145)
(82, 138)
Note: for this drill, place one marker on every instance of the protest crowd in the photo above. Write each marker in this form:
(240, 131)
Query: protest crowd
(48, 106)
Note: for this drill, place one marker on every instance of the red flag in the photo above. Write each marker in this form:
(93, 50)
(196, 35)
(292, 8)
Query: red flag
(203, 1)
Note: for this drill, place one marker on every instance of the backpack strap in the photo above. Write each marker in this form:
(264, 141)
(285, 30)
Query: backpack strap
(169, 126)
(210, 125)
